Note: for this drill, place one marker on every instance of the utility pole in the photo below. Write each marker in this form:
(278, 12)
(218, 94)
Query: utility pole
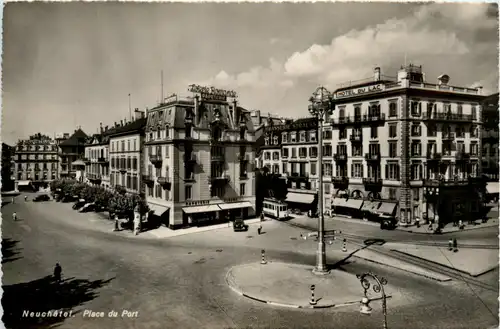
(129, 108)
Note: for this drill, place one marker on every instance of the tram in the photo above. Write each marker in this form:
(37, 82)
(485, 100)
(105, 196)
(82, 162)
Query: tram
(275, 209)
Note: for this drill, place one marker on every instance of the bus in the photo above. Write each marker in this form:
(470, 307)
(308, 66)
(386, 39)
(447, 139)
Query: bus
(275, 209)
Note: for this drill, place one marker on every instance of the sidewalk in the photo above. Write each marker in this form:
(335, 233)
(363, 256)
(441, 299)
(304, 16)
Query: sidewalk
(288, 285)
(471, 261)
(449, 228)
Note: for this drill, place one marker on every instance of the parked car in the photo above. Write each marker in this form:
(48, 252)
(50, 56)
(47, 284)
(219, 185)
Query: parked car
(88, 207)
(387, 222)
(41, 197)
(240, 226)
(78, 204)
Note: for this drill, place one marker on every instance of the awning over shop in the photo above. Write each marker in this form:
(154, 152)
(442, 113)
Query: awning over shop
(354, 203)
(23, 183)
(234, 205)
(299, 198)
(158, 210)
(338, 202)
(78, 163)
(200, 209)
(370, 205)
(387, 208)
(492, 188)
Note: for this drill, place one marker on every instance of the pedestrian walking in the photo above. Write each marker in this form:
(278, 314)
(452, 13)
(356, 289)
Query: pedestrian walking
(430, 225)
(13, 201)
(25, 198)
(259, 229)
(57, 272)
(14, 216)
(417, 221)
(460, 224)
(261, 216)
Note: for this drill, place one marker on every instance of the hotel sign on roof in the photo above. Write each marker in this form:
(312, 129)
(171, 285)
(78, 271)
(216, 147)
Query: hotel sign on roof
(212, 93)
(359, 91)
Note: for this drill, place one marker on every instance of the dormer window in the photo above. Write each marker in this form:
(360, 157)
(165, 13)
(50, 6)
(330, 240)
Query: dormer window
(275, 140)
(284, 137)
(266, 140)
(293, 137)
(302, 136)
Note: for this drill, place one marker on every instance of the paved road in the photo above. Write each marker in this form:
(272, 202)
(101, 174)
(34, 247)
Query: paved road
(179, 282)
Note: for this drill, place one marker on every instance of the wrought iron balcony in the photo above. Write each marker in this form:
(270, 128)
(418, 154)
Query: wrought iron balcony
(156, 160)
(356, 138)
(147, 178)
(217, 157)
(448, 136)
(86, 160)
(462, 156)
(122, 170)
(340, 157)
(103, 159)
(372, 181)
(374, 117)
(219, 178)
(340, 182)
(163, 180)
(429, 116)
(433, 156)
(372, 157)
(445, 182)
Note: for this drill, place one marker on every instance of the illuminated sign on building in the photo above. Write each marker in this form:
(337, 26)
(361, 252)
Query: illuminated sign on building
(359, 91)
(212, 93)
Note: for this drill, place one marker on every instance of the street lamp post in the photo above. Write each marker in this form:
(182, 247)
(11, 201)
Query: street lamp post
(377, 287)
(321, 106)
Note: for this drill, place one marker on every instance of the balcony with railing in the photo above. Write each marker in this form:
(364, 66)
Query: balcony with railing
(445, 182)
(340, 157)
(441, 87)
(219, 178)
(156, 159)
(147, 178)
(165, 182)
(372, 157)
(359, 119)
(462, 156)
(356, 138)
(373, 184)
(102, 160)
(448, 136)
(455, 117)
(217, 157)
(340, 182)
(433, 157)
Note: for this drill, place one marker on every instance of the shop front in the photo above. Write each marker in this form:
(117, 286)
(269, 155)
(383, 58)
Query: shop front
(158, 215)
(369, 210)
(301, 202)
(348, 207)
(202, 215)
(235, 210)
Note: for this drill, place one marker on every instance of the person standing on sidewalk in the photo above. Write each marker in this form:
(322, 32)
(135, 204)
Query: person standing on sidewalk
(259, 229)
(25, 198)
(417, 221)
(14, 216)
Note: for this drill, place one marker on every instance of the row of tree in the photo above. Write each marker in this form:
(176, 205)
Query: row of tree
(114, 201)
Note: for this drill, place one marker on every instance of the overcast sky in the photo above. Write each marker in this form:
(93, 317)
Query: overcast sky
(69, 64)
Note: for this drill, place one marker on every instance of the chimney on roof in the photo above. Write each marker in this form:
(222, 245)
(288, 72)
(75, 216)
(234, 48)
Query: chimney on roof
(121, 123)
(376, 74)
(106, 128)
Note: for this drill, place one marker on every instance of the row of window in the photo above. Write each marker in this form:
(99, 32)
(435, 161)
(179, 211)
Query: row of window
(126, 180)
(44, 166)
(37, 147)
(37, 157)
(96, 153)
(124, 145)
(357, 150)
(304, 137)
(96, 169)
(216, 191)
(392, 170)
(20, 176)
(129, 163)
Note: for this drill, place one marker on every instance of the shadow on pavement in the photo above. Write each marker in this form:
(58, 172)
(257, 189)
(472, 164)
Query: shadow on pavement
(9, 250)
(367, 243)
(44, 295)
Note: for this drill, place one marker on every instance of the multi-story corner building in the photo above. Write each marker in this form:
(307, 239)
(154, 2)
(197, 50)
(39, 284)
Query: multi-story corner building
(490, 137)
(408, 141)
(291, 149)
(97, 158)
(126, 142)
(199, 159)
(36, 161)
(71, 151)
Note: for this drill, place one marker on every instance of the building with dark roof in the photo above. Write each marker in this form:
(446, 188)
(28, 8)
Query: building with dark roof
(97, 158)
(199, 157)
(126, 154)
(71, 150)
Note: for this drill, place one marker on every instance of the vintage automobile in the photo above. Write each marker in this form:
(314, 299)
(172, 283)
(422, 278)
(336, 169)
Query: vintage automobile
(387, 222)
(88, 207)
(78, 204)
(240, 226)
(41, 197)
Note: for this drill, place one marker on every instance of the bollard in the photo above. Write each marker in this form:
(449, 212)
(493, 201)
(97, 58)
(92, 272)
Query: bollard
(344, 248)
(313, 300)
(450, 244)
(263, 258)
(455, 245)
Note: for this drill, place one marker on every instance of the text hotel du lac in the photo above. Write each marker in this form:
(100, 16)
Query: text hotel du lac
(85, 314)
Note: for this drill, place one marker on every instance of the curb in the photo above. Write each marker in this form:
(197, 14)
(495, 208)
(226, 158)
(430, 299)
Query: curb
(241, 293)
(446, 266)
(467, 228)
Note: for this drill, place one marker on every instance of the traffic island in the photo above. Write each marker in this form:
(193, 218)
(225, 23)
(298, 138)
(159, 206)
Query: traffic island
(296, 286)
